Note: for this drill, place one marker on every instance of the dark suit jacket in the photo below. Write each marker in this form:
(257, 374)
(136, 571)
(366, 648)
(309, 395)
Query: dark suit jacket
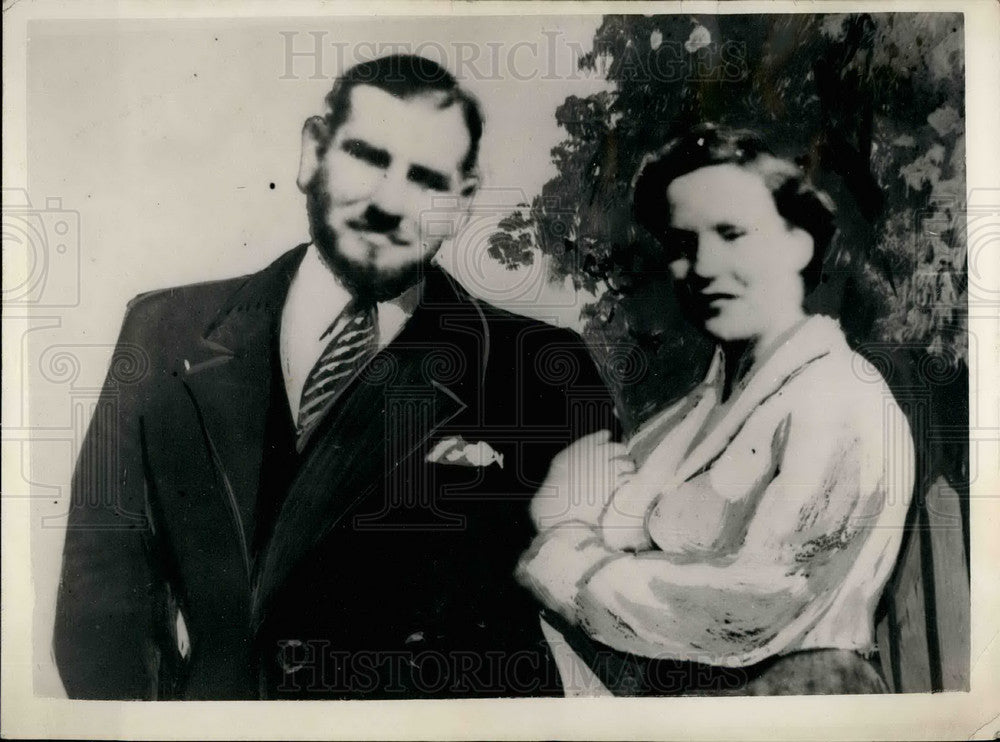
(201, 563)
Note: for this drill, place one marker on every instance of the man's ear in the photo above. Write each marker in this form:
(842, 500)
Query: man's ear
(469, 185)
(467, 188)
(315, 135)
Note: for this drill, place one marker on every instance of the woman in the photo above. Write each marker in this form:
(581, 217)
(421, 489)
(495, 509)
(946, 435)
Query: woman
(751, 527)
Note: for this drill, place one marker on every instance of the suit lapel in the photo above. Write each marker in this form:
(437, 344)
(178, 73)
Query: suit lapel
(411, 388)
(229, 380)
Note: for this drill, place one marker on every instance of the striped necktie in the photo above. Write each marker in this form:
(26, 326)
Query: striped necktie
(353, 341)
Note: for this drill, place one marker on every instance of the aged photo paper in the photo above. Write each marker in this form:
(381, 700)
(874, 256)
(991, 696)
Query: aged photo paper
(501, 370)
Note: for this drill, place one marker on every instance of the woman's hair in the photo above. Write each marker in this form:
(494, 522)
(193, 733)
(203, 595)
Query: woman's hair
(795, 198)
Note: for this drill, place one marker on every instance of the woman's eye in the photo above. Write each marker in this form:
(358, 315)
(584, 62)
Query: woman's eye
(729, 232)
(680, 243)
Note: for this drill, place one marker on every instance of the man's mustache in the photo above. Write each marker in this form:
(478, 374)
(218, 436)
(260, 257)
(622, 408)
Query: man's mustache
(390, 233)
(363, 225)
(375, 220)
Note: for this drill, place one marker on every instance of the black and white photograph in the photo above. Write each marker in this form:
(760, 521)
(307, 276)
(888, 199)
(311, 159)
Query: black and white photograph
(469, 369)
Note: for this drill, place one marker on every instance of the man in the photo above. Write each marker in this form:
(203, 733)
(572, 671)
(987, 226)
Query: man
(315, 481)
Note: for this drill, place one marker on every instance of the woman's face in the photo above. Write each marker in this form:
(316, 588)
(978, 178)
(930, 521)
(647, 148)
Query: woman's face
(738, 259)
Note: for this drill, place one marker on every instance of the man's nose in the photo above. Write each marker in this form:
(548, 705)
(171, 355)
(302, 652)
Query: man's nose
(389, 196)
(379, 220)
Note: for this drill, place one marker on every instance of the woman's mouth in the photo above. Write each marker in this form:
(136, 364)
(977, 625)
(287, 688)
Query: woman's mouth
(716, 296)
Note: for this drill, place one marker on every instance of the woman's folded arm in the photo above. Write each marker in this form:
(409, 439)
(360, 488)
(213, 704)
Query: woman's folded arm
(832, 513)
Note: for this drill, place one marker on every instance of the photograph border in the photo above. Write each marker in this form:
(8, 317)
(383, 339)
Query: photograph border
(974, 714)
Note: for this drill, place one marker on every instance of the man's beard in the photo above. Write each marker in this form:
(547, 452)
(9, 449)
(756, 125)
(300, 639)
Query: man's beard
(363, 280)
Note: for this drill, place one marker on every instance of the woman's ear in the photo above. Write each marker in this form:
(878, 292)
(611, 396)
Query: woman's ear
(801, 247)
(315, 135)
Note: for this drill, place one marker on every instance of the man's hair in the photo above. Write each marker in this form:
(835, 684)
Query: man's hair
(795, 198)
(408, 76)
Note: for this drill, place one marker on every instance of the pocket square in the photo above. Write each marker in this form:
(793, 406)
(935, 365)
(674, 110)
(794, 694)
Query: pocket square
(456, 451)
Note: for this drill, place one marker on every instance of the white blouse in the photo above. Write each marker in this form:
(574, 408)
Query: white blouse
(751, 528)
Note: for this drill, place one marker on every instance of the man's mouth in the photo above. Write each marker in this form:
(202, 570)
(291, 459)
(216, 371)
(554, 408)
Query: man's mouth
(377, 237)
(381, 239)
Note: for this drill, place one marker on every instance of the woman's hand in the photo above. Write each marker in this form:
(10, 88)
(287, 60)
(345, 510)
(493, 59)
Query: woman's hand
(580, 481)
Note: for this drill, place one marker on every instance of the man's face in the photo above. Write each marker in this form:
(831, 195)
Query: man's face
(377, 178)
(738, 259)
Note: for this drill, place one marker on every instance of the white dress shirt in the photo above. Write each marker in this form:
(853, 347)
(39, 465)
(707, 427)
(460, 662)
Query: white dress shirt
(315, 299)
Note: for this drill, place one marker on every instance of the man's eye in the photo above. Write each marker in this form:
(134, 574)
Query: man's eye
(429, 179)
(366, 153)
(729, 232)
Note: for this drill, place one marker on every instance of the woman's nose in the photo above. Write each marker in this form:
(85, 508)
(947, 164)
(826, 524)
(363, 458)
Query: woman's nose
(708, 257)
